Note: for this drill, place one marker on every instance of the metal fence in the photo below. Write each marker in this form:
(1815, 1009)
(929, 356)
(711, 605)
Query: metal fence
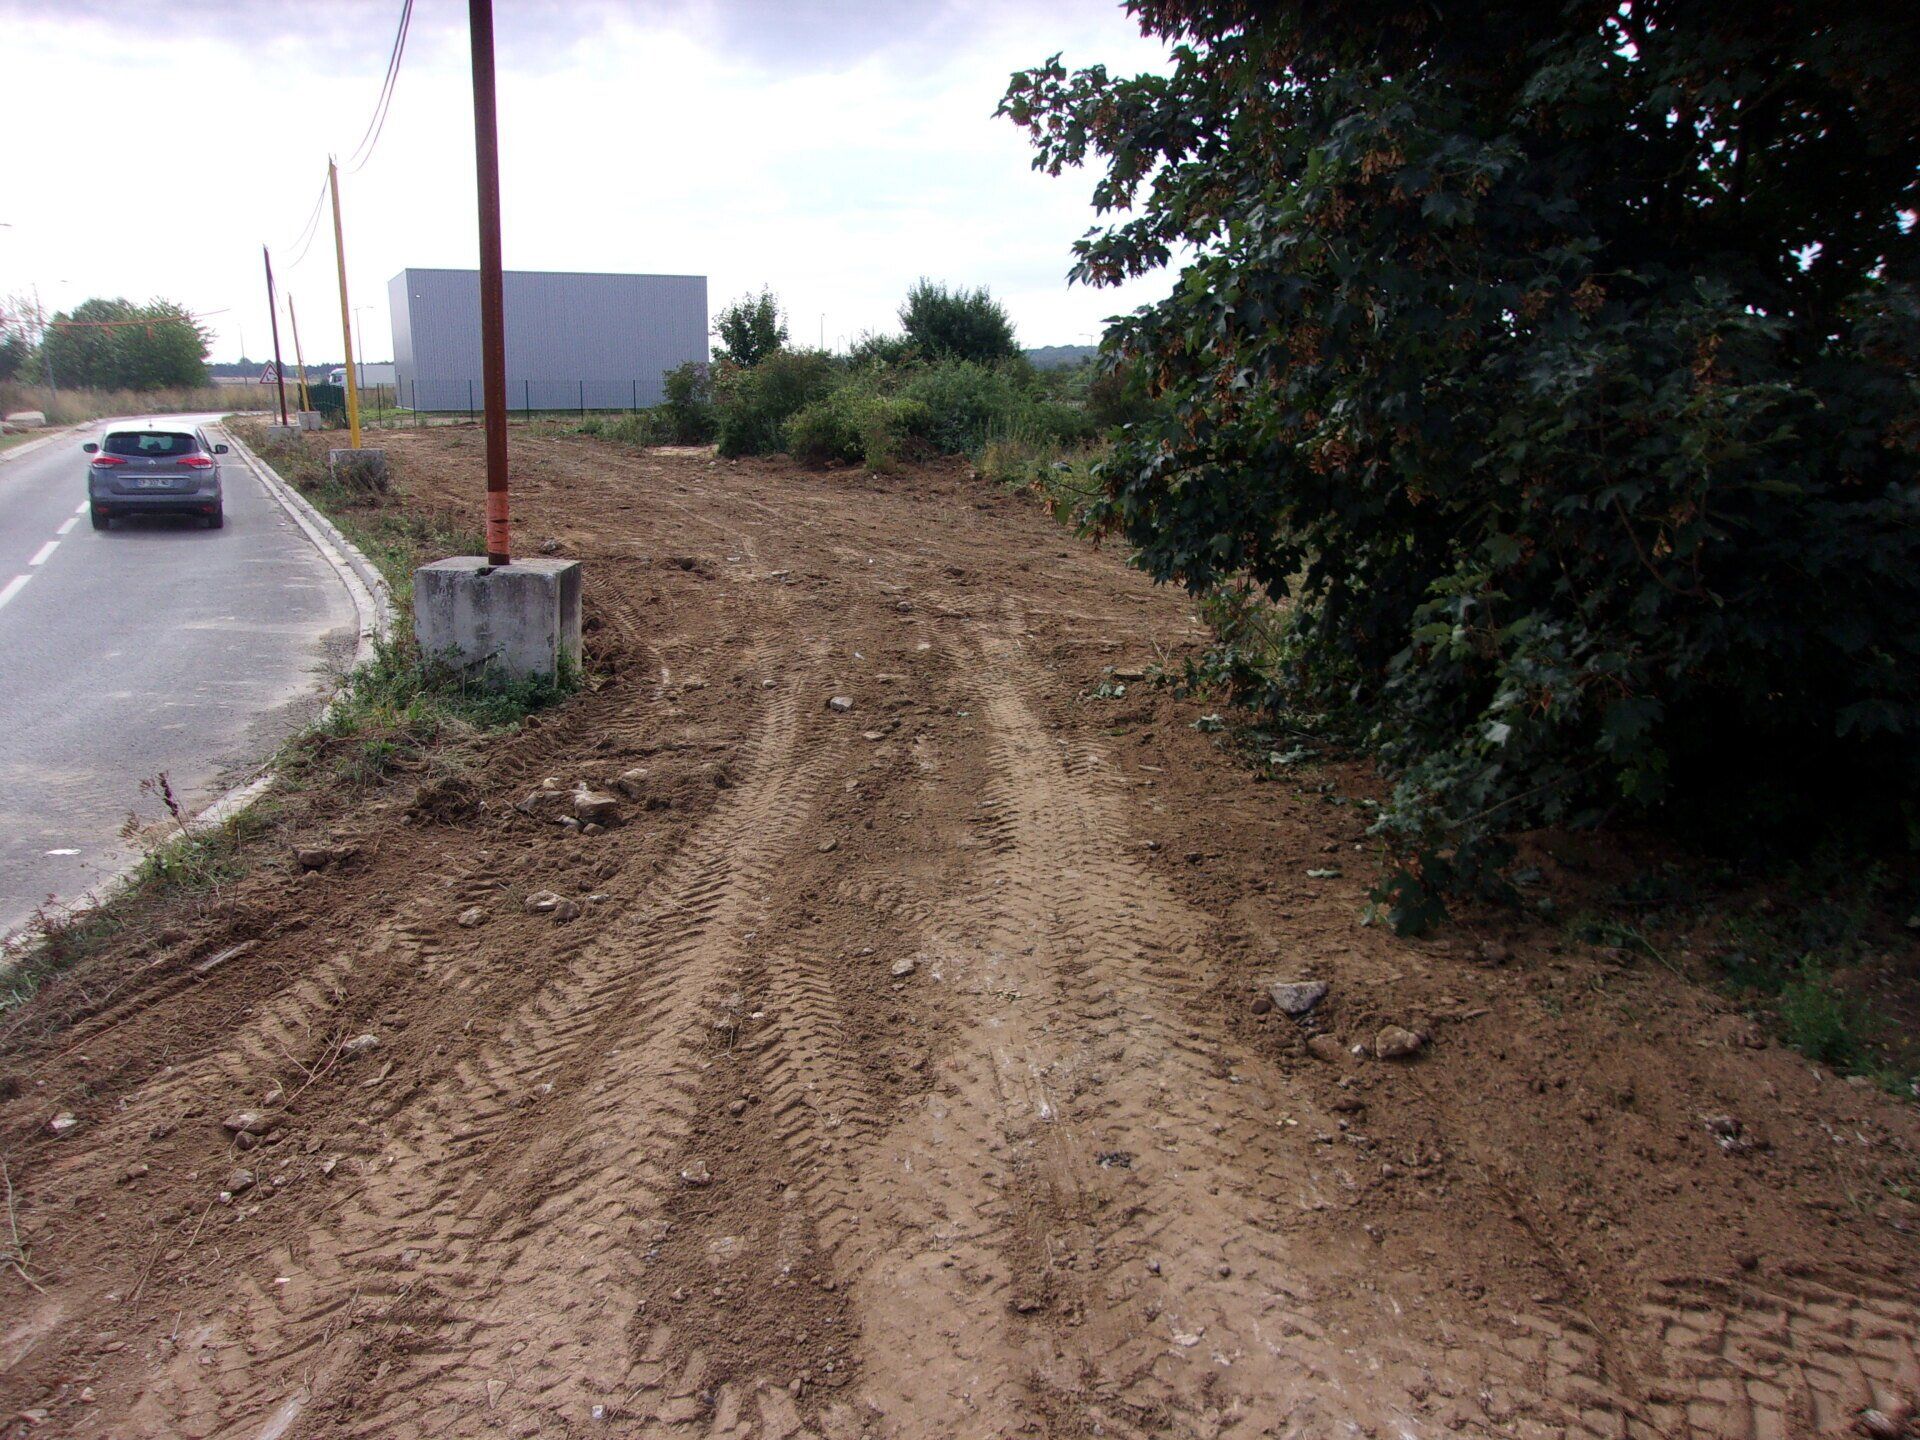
(527, 400)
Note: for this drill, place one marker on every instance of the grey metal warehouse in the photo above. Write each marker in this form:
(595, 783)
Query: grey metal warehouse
(599, 341)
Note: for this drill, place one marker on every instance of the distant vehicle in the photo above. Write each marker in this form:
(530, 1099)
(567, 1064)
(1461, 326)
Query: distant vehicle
(155, 469)
(366, 376)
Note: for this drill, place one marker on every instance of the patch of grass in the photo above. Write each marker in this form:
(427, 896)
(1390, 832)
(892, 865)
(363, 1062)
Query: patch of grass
(1821, 1021)
(65, 939)
(401, 706)
(73, 406)
(1813, 955)
(200, 859)
(1803, 963)
(396, 538)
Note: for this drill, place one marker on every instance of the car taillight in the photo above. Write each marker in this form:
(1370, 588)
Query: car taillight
(197, 462)
(104, 461)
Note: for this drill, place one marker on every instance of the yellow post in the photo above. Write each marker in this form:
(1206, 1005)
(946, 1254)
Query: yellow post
(306, 400)
(346, 314)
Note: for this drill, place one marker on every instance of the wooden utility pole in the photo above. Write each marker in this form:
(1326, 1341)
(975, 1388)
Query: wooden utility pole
(306, 400)
(493, 324)
(273, 314)
(46, 355)
(346, 313)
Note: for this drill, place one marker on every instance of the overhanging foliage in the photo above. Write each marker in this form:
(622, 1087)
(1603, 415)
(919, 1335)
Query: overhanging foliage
(1556, 363)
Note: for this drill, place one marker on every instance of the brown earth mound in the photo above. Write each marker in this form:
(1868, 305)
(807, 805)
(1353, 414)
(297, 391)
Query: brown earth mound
(907, 1069)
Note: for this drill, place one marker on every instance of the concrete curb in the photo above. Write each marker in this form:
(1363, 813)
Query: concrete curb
(365, 586)
(359, 574)
(373, 607)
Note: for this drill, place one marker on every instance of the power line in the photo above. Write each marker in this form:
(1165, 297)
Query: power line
(363, 152)
(311, 229)
(369, 139)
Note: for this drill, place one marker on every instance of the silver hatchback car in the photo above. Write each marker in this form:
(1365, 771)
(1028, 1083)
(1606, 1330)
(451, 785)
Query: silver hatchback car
(155, 469)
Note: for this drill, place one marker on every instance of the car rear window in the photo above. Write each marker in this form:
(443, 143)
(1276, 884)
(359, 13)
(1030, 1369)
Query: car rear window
(156, 443)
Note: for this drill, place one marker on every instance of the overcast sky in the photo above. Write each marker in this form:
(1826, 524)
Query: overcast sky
(835, 151)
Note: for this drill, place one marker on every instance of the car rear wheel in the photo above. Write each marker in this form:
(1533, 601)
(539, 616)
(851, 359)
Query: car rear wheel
(217, 519)
(101, 520)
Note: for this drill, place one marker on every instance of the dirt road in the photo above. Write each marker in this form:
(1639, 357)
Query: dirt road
(904, 1073)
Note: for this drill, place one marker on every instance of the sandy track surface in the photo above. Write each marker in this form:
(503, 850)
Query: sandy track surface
(901, 1075)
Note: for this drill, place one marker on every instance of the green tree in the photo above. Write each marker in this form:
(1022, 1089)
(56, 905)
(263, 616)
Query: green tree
(169, 351)
(82, 353)
(750, 329)
(117, 345)
(957, 324)
(1556, 364)
(15, 353)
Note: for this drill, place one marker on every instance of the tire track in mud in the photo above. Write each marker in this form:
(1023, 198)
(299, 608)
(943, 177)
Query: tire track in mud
(289, 1034)
(987, 1216)
(483, 1261)
(1087, 1220)
(1799, 1354)
(828, 1041)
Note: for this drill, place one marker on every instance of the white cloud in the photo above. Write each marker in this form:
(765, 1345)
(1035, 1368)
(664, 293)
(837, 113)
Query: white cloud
(834, 151)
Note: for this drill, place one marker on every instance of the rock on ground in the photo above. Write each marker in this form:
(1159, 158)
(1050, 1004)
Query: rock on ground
(1297, 997)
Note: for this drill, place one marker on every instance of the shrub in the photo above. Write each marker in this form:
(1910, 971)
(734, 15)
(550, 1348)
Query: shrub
(1117, 392)
(959, 324)
(820, 433)
(755, 405)
(1558, 363)
(854, 423)
(882, 350)
(640, 429)
(968, 405)
(687, 414)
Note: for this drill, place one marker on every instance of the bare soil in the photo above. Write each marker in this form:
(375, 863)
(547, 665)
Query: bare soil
(713, 1160)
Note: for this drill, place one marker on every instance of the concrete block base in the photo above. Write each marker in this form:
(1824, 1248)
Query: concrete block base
(307, 419)
(511, 622)
(364, 468)
(281, 434)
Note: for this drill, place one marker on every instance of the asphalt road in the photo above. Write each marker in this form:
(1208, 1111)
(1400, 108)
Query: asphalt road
(151, 647)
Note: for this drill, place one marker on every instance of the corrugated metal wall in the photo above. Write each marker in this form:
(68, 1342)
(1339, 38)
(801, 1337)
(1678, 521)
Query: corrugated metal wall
(599, 340)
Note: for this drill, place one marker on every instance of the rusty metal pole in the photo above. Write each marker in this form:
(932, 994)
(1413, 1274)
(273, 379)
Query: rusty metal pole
(493, 322)
(273, 313)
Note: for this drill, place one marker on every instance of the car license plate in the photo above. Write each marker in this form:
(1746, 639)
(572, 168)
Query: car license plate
(154, 482)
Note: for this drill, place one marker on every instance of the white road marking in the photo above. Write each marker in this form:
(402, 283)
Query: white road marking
(70, 522)
(12, 588)
(63, 852)
(83, 507)
(40, 555)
